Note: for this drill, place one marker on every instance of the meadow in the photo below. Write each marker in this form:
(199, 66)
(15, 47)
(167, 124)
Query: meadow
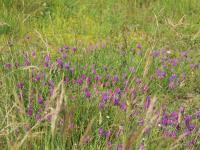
(100, 74)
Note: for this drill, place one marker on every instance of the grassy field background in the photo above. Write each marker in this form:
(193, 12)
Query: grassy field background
(106, 37)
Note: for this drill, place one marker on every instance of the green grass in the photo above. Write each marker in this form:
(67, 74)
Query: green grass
(114, 27)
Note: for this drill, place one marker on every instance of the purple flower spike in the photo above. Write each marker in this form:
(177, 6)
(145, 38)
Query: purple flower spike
(30, 110)
(59, 62)
(174, 62)
(168, 133)
(108, 134)
(147, 102)
(101, 132)
(191, 143)
(60, 50)
(34, 54)
(196, 66)
(38, 117)
(66, 47)
(116, 102)
(184, 54)
(197, 115)
(138, 81)
(97, 78)
(87, 93)
(171, 85)
(164, 120)
(105, 97)
(123, 106)
(139, 46)
(74, 49)
(20, 85)
(109, 145)
(66, 79)
(46, 60)
(79, 81)
(115, 78)
(40, 99)
(181, 109)
(118, 90)
(156, 53)
(189, 126)
(8, 66)
(141, 146)
(119, 147)
(67, 66)
(105, 68)
(173, 77)
(101, 105)
(160, 74)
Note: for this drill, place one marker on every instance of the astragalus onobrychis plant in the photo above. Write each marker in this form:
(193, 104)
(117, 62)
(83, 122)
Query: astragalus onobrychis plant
(98, 98)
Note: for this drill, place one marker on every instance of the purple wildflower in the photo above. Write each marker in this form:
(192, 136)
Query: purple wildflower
(147, 102)
(20, 85)
(171, 85)
(115, 78)
(141, 146)
(49, 118)
(191, 143)
(123, 106)
(8, 66)
(139, 46)
(105, 68)
(105, 96)
(66, 79)
(101, 132)
(147, 130)
(138, 81)
(97, 78)
(188, 124)
(141, 122)
(67, 66)
(196, 115)
(173, 77)
(145, 88)
(181, 109)
(59, 62)
(79, 81)
(88, 79)
(109, 144)
(160, 74)
(38, 117)
(87, 93)
(34, 54)
(40, 99)
(196, 66)
(156, 53)
(108, 134)
(101, 105)
(46, 60)
(30, 110)
(164, 120)
(132, 69)
(60, 50)
(119, 147)
(168, 133)
(116, 101)
(184, 53)
(174, 62)
(74, 49)
(118, 90)
(66, 47)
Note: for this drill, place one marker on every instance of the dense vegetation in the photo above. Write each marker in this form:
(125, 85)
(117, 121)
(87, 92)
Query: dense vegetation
(106, 74)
